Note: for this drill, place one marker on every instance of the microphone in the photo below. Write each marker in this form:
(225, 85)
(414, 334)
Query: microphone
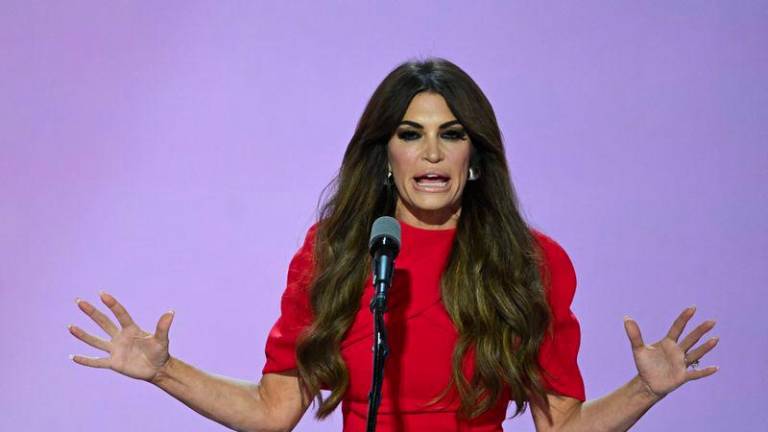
(384, 245)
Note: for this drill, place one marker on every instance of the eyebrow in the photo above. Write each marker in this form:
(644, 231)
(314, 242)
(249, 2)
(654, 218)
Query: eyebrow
(418, 126)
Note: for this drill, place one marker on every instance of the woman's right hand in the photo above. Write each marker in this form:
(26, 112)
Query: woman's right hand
(132, 351)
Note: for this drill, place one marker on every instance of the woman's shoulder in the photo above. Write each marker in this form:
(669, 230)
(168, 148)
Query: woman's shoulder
(546, 241)
(301, 265)
(553, 252)
(560, 275)
(309, 241)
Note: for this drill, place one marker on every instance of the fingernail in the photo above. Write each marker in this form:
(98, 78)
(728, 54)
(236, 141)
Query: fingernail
(101, 293)
(71, 356)
(69, 326)
(171, 311)
(77, 300)
(693, 308)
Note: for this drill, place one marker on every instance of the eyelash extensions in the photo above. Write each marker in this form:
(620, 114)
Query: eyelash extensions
(454, 135)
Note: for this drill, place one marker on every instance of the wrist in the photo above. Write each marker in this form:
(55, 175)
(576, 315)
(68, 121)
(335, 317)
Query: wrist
(644, 391)
(164, 372)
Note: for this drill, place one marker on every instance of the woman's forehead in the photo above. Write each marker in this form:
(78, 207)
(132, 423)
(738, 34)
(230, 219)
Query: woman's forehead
(428, 109)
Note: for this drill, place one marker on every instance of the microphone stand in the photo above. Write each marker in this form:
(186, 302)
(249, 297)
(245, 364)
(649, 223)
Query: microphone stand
(381, 282)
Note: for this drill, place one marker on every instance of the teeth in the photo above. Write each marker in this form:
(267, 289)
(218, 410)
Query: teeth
(432, 183)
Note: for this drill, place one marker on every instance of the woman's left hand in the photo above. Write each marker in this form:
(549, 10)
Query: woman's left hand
(663, 366)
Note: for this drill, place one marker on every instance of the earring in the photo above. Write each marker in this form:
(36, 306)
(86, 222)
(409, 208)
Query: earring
(388, 178)
(474, 174)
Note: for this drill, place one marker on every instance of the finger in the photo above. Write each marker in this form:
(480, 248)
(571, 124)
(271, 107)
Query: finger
(102, 363)
(120, 313)
(696, 334)
(701, 350)
(90, 340)
(163, 325)
(102, 320)
(633, 332)
(701, 373)
(679, 325)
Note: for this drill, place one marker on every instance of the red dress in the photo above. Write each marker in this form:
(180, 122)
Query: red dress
(421, 338)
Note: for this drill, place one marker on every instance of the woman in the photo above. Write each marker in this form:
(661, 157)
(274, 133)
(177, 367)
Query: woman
(479, 313)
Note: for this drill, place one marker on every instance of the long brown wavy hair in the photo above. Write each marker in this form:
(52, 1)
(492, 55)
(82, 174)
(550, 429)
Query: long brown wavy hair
(491, 287)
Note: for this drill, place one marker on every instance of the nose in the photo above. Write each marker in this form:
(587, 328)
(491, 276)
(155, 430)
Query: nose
(432, 150)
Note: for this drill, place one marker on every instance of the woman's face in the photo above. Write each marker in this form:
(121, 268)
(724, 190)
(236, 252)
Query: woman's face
(429, 157)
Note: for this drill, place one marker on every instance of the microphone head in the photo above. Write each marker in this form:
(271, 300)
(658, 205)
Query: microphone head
(385, 231)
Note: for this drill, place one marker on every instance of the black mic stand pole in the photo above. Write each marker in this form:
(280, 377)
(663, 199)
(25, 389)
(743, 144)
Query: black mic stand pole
(380, 347)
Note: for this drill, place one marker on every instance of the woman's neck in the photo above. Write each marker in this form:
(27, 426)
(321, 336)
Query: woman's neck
(427, 219)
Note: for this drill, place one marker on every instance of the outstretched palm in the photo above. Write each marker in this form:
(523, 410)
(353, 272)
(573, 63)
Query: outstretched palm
(133, 352)
(663, 366)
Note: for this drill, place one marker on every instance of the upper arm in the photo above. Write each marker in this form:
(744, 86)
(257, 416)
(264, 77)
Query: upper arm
(295, 312)
(559, 348)
(281, 402)
(561, 409)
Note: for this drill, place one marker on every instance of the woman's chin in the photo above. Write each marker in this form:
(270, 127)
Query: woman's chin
(436, 207)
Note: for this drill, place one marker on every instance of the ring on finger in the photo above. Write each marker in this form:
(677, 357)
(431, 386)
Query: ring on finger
(694, 364)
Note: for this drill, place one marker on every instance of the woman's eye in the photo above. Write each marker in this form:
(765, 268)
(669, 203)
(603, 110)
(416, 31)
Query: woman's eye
(451, 135)
(455, 134)
(408, 135)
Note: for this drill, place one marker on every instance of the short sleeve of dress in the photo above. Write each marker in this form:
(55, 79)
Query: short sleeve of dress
(560, 348)
(295, 311)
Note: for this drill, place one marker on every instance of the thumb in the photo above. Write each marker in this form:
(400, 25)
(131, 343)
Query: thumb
(633, 332)
(163, 325)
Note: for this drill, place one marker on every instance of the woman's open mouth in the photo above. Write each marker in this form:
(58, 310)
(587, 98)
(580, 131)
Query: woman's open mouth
(432, 182)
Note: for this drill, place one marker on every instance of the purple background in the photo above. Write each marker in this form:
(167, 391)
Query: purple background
(172, 153)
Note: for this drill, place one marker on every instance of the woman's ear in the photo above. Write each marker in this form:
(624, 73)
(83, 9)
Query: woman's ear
(474, 164)
(474, 157)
